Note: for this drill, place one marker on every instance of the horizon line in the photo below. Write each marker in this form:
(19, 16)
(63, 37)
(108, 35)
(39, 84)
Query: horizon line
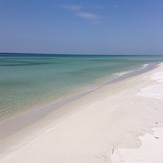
(79, 54)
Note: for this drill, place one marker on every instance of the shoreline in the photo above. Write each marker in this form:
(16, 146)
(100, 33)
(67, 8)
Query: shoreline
(86, 105)
(73, 97)
(22, 93)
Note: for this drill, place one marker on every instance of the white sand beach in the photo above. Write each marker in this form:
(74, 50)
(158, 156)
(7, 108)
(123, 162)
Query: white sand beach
(118, 123)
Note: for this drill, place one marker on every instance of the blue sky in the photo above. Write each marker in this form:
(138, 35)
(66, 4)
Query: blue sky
(82, 26)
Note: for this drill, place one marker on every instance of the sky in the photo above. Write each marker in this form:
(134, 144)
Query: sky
(82, 26)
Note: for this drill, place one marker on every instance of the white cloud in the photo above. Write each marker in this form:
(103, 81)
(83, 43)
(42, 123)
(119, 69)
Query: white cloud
(69, 7)
(78, 12)
(88, 16)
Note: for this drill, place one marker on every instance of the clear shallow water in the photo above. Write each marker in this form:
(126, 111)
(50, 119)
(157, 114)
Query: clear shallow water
(28, 81)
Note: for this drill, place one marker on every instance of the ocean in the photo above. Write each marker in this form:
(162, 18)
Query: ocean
(29, 81)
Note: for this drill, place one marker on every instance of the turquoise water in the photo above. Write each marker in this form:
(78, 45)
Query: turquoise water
(29, 81)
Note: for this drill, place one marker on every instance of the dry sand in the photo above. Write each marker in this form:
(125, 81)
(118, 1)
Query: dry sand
(118, 123)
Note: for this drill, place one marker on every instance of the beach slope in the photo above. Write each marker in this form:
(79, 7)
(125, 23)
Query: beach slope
(121, 122)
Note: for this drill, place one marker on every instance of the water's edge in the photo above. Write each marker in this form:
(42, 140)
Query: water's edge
(27, 118)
